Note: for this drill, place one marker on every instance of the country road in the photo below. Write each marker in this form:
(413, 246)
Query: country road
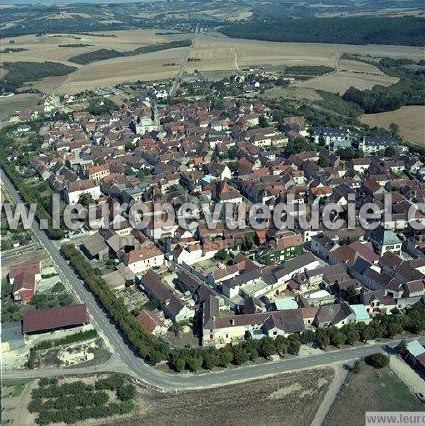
(132, 364)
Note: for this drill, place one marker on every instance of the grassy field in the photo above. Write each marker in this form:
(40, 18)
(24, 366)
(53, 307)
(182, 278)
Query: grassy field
(371, 390)
(216, 53)
(411, 120)
(290, 399)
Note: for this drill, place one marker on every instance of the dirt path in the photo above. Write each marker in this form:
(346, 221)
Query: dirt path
(339, 378)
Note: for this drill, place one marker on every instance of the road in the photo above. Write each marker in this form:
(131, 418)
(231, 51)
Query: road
(186, 381)
(133, 365)
(177, 80)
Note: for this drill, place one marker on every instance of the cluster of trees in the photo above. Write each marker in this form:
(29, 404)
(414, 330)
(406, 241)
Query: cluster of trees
(43, 210)
(386, 326)
(72, 338)
(101, 106)
(77, 401)
(76, 45)
(298, 145)
(349, 153)
(351, 30)
(248, 350)
(306, 70)
(25, 71)
(409, 90)
(102, 54)
(43, 300)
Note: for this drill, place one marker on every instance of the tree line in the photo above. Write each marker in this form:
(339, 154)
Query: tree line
(103, 54)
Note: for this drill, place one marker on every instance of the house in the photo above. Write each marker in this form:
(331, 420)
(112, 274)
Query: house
(97, 173)
(24, 278)
(415, 355)
(232, 286)
(302, 263)
(332, 138)
(286, 247)
(219, 330)
(144, 258)
(361, 314)
(151, 322)
(377, 302)
(385, 240)
(95, 247)
(374, 144)
(54, 319)
(161, 294)
(74, 190)
(322, 246)
(334, 315)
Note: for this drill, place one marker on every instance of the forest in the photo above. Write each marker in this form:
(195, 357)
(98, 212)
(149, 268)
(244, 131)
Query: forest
(408, 31)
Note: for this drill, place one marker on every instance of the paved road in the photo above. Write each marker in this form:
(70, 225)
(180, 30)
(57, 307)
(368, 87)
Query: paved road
(175, 382)
(177, 80)
(133, 365)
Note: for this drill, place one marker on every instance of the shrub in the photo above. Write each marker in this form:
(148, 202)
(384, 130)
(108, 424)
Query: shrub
(377, 360)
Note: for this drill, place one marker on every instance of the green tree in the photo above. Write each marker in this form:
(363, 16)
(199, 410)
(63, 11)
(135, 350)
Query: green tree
(194, 362)
(281, 344)
(377, 360)
(86, 199)
(210, 359)
(226, 357)
(337, 338)
(263, 122)
(267, 347)
(323, 161)
(240, 355)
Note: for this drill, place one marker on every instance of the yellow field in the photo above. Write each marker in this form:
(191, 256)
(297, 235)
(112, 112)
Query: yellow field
(217, 53)
(339, 82)
(411, 120)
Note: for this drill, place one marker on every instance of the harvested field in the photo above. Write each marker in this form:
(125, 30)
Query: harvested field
(217, 54)
(371, 390)
(46, 48)
(339, 82)
(411, 120)
(149, 66)
(357, 66)
(290, 399)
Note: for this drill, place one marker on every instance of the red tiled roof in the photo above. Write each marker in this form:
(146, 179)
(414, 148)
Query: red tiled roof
(54, 318)
(24, 268)
(148, 320)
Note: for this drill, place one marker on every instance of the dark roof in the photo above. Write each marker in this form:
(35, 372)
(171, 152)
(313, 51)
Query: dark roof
(54, 318)
(158, 289)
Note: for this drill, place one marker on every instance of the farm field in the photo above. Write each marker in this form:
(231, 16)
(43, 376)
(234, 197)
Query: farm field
(216, 52)
(293, 397)
(411, 120)
(371, 390)
(339, 82)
